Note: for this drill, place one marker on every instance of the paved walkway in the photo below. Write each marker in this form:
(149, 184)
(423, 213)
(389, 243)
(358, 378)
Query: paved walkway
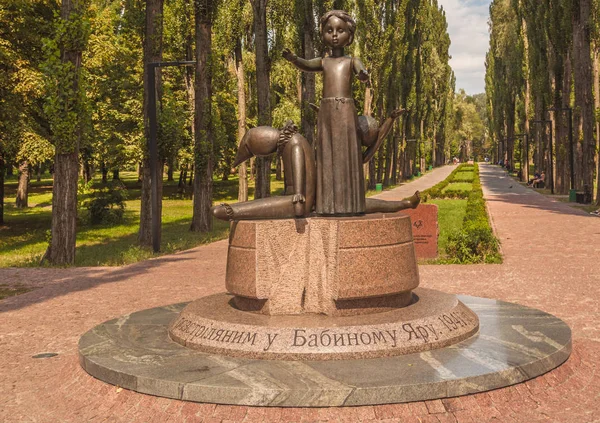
(551, 262)
(428, 180)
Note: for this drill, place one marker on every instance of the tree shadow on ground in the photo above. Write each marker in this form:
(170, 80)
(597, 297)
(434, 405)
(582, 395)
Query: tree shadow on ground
(499, 187)
(58, 282)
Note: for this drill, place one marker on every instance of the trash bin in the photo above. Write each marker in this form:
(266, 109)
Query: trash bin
(378, 187)
(572, 195)
(430, 167)
(419, 173)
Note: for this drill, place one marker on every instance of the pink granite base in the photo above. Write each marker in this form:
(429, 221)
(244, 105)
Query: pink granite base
(296, 266)
(433, 320)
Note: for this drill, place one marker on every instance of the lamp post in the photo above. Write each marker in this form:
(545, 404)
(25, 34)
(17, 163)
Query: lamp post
(153, 145)
(551, 153)
(569, 110)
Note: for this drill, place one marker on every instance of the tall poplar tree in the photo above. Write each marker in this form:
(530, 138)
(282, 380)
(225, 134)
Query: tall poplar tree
(263, 165)
(153, 38)
(204, 136)
(65, 113)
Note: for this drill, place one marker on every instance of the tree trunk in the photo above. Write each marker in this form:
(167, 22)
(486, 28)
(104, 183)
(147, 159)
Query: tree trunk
(278, 168)
(562, 124)
(241, 87)
(380, 166)
(23, 188)
(395, 140)
(61, 250)
(2, 171)
(582, 66)
(597, 104)
(204, 141)
(372, 177)
(104, 171)
(367, 112)
(263, 165)
(170, 171)
(64, 209)
(527, 102)
(116, 175)
(308, 78)
(87, 171)
(389, 152)
(152, 53)
(510, 133)
(181, 182)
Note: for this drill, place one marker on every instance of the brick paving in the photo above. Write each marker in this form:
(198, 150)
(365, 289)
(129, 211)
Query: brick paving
(551, 262)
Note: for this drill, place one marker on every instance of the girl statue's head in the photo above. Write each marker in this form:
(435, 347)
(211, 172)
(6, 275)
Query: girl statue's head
(337, 28)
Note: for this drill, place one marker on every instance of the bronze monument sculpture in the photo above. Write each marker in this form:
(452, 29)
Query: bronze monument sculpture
(318, 280)
(300, 172)
(336, 186)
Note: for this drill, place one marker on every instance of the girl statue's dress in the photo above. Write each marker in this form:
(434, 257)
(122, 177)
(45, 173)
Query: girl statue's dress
(340, 181)
(340, 185)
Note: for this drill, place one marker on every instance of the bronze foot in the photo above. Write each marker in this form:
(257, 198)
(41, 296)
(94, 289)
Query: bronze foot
(223, 212)
(415, 200)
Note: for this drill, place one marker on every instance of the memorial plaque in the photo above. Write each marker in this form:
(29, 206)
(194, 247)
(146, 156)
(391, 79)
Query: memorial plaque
(425, 230)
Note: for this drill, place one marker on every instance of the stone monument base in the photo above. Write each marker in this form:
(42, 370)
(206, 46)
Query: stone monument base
(514, 344)
(433, 320)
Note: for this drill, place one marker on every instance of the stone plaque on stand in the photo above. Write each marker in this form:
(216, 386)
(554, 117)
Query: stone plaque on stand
(425, 230)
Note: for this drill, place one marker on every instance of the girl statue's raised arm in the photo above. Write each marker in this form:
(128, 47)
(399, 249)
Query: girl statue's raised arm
(310, 65)
(360, 70)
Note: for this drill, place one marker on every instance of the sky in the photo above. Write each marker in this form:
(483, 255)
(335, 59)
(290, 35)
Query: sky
(468, 29)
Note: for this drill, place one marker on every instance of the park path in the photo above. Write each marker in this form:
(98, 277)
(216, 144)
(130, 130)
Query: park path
(551, 262)
(428, 180)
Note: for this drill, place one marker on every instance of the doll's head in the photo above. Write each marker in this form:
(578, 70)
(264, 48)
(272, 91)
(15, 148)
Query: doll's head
(337, 28)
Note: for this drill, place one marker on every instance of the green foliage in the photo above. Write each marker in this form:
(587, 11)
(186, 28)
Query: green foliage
(23, 26)
(107, 205)
(475, 242)
(443, 189)
(65, 93)
(113, 76)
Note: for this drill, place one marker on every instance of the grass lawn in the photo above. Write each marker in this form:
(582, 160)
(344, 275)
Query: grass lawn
(458, 186)
(450, 218)
(23, 238)
(464, 176)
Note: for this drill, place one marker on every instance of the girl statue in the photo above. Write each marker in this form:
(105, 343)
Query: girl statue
(340, 184)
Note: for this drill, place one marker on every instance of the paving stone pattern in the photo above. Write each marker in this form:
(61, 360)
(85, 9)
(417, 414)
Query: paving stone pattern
(551, 262)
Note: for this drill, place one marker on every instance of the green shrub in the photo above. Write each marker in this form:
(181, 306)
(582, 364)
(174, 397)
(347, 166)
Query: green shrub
(107, 205)
(438, 190)
(475, 242)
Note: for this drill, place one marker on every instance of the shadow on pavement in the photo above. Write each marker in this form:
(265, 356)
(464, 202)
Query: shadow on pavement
(59, 282)
(499, 187)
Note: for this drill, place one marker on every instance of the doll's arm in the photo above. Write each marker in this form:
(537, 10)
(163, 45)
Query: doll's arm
(310, 65)
(360, 70)
(382, 133)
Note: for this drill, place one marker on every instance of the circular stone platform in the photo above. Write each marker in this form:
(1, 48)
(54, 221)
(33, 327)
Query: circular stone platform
(433, 320)
(514, 344)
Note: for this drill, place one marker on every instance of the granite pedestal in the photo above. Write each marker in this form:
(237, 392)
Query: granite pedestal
(514, 344)
(324, 312)
(332, 266)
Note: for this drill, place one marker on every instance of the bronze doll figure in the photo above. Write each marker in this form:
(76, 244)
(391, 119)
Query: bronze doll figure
(299, 175)
(340, 185)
